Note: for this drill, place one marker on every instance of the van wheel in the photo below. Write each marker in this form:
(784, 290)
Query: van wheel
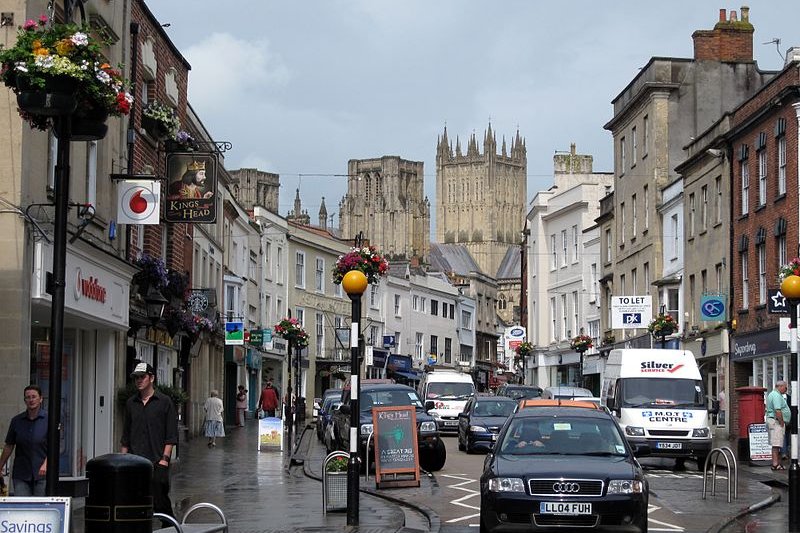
(701, 462)
(434, 460)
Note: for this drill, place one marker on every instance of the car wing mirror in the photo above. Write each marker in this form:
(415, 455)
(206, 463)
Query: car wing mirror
(429, 404)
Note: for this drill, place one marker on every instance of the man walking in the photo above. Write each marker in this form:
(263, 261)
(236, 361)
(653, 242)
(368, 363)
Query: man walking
(150, 430)
(778, 415)
(269, 399)
(27, 433)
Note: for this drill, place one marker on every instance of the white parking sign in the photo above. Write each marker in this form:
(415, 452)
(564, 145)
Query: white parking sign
(631, 312)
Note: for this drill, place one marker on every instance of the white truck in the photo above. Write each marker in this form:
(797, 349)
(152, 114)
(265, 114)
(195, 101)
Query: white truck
(658, 399)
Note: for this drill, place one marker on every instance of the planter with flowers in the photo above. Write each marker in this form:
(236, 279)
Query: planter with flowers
(177, 287)
(182, 142)
(152, 273)
(335, 483)
(662, 325)
(581, 343)
(160, 121)
(59, 69)
(365, 259)
(177, 320)
(792, 268)
(523, 350)
(291, 330)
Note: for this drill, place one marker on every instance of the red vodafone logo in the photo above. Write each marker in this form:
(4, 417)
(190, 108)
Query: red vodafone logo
(139, 202)
(89, 288)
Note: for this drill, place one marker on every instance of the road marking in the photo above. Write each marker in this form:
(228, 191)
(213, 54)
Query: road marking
(471, 493)
(667, 526)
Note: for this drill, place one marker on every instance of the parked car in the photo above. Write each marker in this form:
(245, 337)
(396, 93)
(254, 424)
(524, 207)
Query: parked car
(480, 422)
(519, 392)
(325, 410)
(566, 393)
(431, 449)
(563, 467)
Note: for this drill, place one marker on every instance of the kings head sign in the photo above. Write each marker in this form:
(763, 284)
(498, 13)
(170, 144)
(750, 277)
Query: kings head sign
(192, 189)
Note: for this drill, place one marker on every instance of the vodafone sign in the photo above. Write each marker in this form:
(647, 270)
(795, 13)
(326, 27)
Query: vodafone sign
(138, 202)
(89, 288)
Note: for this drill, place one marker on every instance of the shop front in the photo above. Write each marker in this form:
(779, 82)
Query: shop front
(401, 369)
(95, 327)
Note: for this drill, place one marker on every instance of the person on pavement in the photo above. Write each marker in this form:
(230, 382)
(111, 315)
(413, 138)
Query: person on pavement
(241, 406)
(269, 399)
(28, 434)
(150, 430)
(213, 425)
(778, 415)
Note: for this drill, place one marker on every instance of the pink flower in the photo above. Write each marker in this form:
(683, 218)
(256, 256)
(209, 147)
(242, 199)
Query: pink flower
(29, 25)
(42, 20)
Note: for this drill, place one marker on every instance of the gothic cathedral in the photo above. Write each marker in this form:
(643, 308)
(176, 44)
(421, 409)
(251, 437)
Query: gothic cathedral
(386, 200)
(481, 197)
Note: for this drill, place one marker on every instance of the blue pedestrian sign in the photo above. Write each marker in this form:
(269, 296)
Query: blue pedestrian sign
(712, 308)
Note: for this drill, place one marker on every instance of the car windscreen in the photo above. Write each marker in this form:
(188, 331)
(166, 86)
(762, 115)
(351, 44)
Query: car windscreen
(660, 392)
(450, 390)
(389, 398)
(493, 408)
(562, 435)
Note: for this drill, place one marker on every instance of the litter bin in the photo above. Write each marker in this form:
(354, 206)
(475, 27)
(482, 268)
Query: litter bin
(750, 408)
(120, 498)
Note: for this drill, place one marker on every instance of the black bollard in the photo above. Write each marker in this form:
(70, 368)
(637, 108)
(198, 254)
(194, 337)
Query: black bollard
(120, 498)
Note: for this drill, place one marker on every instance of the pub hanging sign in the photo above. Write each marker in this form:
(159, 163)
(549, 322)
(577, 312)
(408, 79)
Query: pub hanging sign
(192, 187)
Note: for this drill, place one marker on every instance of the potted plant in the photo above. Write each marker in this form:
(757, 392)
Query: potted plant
(365, 259)
(160, 121)
(337, 464)
(291, 330)
(662, 325)
(153, 273)
(581, 343)
(58, 69)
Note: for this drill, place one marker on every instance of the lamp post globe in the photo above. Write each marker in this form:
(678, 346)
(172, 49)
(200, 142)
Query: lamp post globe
(355, 282)
(790, 287)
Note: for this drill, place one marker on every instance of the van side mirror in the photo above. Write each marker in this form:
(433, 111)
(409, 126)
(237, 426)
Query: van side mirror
(429, 404)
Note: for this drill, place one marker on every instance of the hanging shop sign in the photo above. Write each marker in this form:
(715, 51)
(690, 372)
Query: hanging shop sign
(192, 189)
(234, 333)
(138, 202)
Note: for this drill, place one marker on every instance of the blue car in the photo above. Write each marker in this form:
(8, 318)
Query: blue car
(325, 415)
(481, 421)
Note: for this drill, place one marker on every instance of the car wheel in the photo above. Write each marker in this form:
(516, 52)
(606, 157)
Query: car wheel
(470, 447)
(643, 525)
(434, 460)
(483, 528)
(461, 446)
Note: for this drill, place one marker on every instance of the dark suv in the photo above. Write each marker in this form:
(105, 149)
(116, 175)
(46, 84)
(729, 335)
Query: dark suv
(563, 467)
(432, 453)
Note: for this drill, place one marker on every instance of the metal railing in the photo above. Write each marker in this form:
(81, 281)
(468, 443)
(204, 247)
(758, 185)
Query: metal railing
(733, 473)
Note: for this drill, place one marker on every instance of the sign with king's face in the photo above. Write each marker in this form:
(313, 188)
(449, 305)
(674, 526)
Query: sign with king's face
(192, 188)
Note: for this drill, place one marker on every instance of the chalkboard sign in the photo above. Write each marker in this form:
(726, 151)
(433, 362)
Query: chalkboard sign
(758, 438)
(396, 452)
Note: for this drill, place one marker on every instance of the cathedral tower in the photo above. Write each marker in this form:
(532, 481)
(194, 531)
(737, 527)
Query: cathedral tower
(386, 200)
(481, 196)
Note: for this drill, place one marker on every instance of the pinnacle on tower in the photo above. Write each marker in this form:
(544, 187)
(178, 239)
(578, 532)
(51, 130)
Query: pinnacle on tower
(323, 214)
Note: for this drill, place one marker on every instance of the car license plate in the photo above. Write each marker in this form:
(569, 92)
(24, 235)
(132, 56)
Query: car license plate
(669, 445)
(565, 508)
(450, 423)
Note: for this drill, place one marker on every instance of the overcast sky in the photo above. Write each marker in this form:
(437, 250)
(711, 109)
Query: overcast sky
(302, 86)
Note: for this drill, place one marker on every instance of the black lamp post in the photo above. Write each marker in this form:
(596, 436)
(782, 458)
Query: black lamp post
(63, 130)
(354, 284)
(790, 288)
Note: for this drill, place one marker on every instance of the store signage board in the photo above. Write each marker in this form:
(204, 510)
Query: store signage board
(395, 441)
(631, 312)
(49, 514)
(758, 438)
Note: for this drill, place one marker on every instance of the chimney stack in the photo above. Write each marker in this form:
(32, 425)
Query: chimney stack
(731, 40)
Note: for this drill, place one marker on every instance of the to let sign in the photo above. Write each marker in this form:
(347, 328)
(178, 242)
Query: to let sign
(395, 438)
(631, 312)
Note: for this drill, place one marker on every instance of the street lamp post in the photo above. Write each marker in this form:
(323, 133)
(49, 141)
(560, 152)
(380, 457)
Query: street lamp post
(354, 284)
(790, 288)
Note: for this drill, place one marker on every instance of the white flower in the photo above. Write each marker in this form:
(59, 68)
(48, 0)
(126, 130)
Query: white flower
(20, 66)
(129, 97)
(103, 76)
(43, 61)
(79, 39)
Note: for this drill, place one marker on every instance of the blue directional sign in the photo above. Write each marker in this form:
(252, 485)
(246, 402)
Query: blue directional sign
(388, 340)
(632, 318)
(712, 308)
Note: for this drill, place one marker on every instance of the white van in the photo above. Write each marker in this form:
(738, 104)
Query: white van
(445, 393)
(658, 399)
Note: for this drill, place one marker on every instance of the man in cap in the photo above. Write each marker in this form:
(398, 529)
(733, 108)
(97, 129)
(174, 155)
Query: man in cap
(150, 430)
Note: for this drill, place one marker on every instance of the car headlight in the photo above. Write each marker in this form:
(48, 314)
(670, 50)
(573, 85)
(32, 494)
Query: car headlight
(700, 432)
(366, 429)
(477, 429)
(506, 484)
(427, 427)
(634, 431)
(625, 486)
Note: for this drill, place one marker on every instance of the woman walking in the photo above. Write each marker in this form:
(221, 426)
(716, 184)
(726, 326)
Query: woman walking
(214, 427)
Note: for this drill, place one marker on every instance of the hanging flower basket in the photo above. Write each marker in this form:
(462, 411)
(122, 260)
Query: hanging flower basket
(153, 273)
(365, 259)
(792, 268)
(524, 349)
(581, 343)
(291, 330)
(160, 121)
(662, 325)
(182, 142)
(59, 69)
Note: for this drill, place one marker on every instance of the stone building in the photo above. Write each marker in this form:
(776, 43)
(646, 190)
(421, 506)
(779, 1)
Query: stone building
(480, 197)
(253, 187)
(386, 200)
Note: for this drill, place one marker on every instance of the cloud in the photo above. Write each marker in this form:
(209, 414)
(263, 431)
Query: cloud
(223, 65)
